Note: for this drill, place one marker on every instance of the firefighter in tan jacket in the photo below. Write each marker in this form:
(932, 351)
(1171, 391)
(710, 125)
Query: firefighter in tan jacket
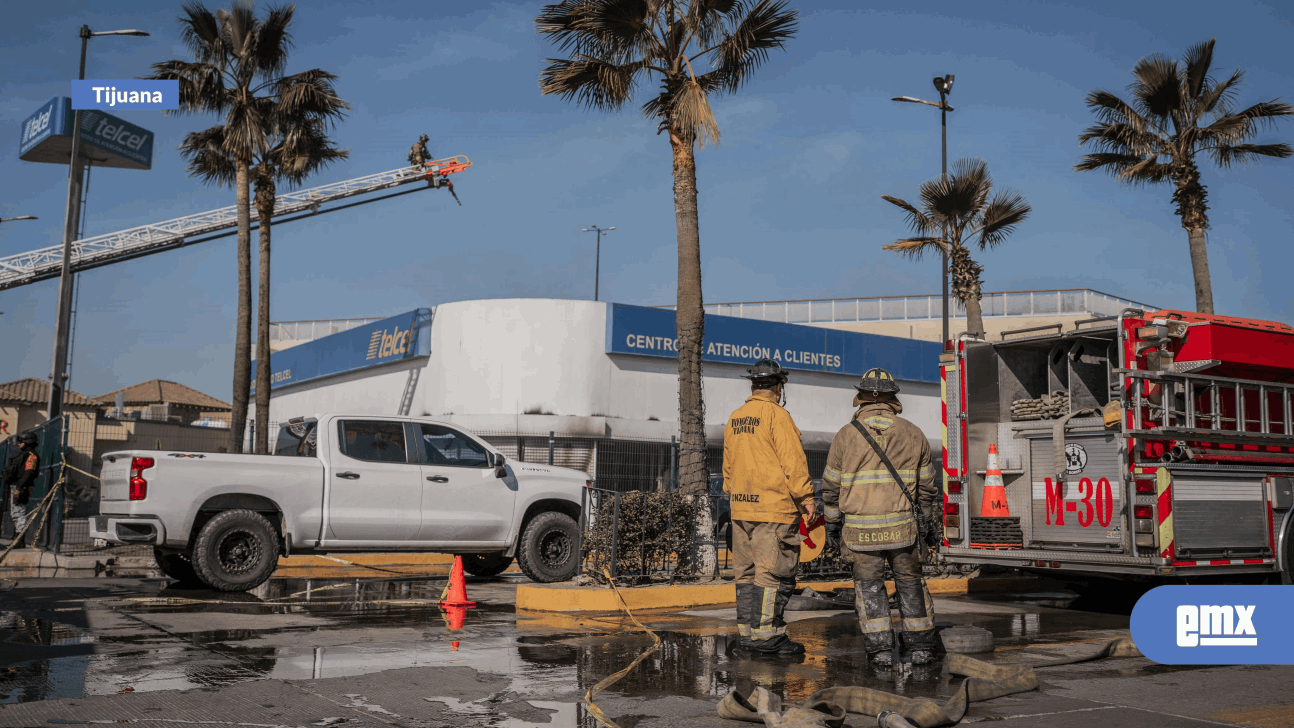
(767, 476)
(878, 526)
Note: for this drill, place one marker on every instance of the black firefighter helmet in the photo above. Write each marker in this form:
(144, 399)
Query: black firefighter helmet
(877, 381)
(767, 373)
(28, 438)
(423, 138)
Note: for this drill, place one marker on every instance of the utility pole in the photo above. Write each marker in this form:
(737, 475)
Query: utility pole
(71, 224)
(944, 85)
(597, 265)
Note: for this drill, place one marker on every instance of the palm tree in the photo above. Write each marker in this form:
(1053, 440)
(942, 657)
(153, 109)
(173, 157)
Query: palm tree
(236, 73)
(955, 213)
(1176, 113)
(616, 45)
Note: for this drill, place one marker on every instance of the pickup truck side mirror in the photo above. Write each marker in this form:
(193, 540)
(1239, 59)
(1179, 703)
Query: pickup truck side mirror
(497, 461)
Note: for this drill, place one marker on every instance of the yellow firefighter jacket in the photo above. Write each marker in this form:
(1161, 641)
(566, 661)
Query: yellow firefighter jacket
(857, 484)
(764, 468)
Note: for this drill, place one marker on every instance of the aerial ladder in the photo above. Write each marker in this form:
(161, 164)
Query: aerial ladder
(100, 250)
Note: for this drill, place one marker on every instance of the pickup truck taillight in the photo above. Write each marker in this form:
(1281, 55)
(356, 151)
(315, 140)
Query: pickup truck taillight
(139, 486)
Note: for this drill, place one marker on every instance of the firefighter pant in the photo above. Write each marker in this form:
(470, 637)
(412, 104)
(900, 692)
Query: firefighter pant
(873, 603)
(765, 559)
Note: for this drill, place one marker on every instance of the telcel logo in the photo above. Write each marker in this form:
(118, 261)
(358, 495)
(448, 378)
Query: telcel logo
(382, 344)
(1225, 625)
(37, 124)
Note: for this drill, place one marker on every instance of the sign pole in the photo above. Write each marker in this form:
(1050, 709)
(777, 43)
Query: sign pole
(71, 223)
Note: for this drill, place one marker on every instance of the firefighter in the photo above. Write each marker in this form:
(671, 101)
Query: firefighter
(878, 525)
(19, 476)
(767, 476)
(419, 155)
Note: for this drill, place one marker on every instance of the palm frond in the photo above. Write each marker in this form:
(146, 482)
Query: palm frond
(202, 85)
(768, 25)
(1118, 137)
(1148, 171)
(240, 31)
(1157, 90)
(206, 156)
(1110, 109)
(1198, 59)
(704, 18)
(920, 223)
(617, 31)
(690, 111)
(273, 41)
(1112, 162)
(916, 247)
(1231, 154)
(954, 199)
(310, 93)
(200, 32)
(1001, 215)
(591, 82)
(1218, 97)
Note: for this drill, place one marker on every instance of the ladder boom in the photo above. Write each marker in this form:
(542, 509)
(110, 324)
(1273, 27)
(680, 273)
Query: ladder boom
(27, 268)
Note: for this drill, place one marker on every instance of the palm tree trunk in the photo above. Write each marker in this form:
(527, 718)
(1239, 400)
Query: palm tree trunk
(974, 316)
(1200, 267)
(964, 274)
(689, 320)
(265, 193)
(243, 330)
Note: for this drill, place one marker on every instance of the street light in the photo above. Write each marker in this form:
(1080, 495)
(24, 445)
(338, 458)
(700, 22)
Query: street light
(944, 85)
(20, 217)
(597, 266)
(71, 223)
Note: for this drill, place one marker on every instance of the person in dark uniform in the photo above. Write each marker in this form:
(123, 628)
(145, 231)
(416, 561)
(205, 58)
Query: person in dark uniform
(19, 477)
(419, 155)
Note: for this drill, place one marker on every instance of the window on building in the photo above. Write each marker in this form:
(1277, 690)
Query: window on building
(450, 447)
(373, 440)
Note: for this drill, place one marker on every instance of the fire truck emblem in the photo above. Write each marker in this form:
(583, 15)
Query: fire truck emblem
(1075, 459)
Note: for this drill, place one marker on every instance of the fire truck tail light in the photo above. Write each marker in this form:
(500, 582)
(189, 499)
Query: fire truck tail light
(1142, 512)
(954, 486)
(1146, 486)
(952, 509)
(1040, 563)
(1055, 564)
(139, 486)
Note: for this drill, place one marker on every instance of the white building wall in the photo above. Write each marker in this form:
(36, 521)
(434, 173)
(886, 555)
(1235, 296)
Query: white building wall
(536, 365)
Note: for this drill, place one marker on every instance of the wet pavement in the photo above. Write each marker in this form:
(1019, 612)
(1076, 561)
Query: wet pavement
(379, 651)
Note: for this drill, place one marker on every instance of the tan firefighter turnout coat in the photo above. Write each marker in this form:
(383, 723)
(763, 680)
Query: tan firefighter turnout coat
(764, 467)
(857, 485)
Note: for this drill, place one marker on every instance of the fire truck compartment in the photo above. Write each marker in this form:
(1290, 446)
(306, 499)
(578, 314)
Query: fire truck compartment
(1084, 508)
(1220, 515)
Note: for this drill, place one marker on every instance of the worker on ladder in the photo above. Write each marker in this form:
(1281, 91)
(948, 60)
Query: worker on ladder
(418, 155)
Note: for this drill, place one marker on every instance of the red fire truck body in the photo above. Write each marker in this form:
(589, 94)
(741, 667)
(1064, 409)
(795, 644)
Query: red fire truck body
(1155, 444)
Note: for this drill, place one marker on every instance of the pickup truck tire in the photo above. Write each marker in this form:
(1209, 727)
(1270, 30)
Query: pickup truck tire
(236, 551)
(177, 566)
(549, 548)
(486, 564)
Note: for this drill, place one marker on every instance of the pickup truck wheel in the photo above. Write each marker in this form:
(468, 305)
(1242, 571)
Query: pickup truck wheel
(549, 548)
(486, 564)
(177, 566)
(236, 551)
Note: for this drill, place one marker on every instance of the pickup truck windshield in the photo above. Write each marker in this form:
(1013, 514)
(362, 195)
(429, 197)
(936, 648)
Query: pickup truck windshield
(297, 439)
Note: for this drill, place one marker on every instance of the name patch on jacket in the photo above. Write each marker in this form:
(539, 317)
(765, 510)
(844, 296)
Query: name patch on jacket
(746, 497)
(744, 425)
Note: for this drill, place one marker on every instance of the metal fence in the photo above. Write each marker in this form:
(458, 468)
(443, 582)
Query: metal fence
(1065, 302)
(47, 531)
(299, 332)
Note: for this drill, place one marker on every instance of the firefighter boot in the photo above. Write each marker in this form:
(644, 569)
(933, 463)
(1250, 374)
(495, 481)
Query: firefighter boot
(918, 624)
(768, 629)
(747, 611)
(873, 607)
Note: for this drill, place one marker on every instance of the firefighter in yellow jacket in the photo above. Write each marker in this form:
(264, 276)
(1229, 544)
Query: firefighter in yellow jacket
(767, 476)
(878, 524)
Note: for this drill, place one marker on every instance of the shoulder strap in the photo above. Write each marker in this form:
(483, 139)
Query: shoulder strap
(894, 473)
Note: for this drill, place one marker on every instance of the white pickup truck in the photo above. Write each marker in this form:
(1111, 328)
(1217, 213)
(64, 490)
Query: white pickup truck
(359, 483)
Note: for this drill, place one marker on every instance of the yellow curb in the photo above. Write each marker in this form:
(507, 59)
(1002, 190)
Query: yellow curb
(572, 598)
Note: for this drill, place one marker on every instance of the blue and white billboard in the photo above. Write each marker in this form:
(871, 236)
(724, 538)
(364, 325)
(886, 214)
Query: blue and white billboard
(370, 345)
(644, 331)
(108, 141)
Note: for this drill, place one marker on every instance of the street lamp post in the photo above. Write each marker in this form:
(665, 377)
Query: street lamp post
(597, 265)
(944, 85)
(71, 223)
(20, 217)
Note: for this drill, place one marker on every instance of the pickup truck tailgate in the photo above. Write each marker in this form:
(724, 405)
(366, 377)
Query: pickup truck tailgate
(114, 480)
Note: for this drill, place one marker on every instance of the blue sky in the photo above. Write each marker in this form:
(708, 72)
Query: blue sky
(790, 201)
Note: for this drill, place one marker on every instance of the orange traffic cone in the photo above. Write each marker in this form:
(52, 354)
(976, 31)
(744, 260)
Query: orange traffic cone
(993, 502)
(455, 594)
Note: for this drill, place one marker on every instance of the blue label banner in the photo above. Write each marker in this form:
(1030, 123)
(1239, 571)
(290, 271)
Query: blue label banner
(1215, 625)
(650, 332)
(381, 342)
(126, 94)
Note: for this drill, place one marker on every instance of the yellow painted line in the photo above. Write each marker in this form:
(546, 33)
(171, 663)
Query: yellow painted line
(571, 598)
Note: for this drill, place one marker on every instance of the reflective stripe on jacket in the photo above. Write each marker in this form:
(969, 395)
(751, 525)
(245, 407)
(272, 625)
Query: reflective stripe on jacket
(764, 467)
(857, 484)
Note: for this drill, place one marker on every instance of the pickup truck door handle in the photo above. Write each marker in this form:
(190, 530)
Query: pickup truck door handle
(348, 475)
(437, 478)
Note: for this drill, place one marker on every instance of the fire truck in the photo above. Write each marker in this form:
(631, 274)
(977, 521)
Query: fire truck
(1155, 445)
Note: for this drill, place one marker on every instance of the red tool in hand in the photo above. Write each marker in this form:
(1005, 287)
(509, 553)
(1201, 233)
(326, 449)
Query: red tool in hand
(806, 529)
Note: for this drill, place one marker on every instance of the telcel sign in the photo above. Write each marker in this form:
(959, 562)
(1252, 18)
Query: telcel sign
(107, 141)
